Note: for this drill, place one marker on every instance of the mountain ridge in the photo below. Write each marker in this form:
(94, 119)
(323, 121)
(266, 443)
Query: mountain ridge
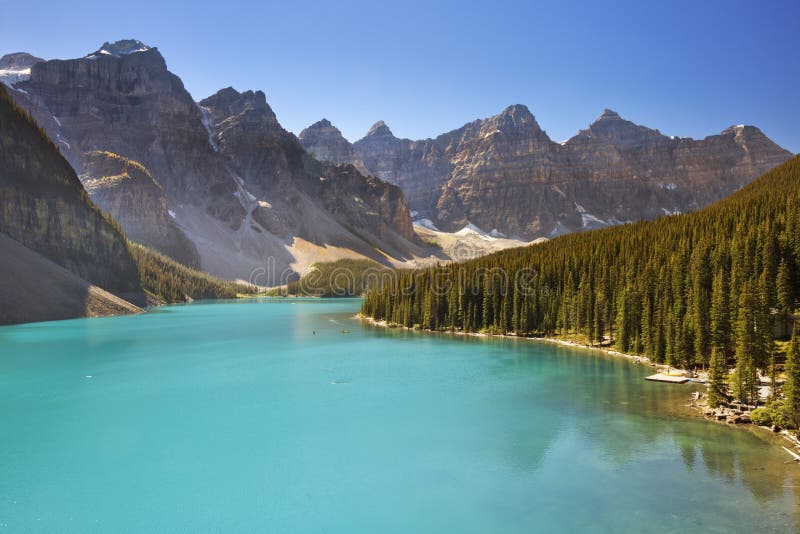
(241, 188)
(505, 173)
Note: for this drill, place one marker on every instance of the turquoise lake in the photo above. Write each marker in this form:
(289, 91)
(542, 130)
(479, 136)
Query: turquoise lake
(291, 416)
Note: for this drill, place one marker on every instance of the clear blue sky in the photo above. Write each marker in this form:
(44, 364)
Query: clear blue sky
(686, 68)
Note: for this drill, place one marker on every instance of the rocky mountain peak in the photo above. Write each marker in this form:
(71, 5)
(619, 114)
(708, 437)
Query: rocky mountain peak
(379, 129)
(321, 129)
(742, 129)
(516, 118)
(608, 114)
(231, 98)
(518, 112)
(326, 143)
(120, 48)
(18, 61)
(16, 67)
(610, 127)
(125, 67)
(228, 102)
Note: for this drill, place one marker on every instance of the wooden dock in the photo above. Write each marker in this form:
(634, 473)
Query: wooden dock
(660, 377)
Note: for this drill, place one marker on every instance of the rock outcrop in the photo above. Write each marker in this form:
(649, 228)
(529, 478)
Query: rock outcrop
(504, 173)
(242, 189)
(44, 208)
(128, 192)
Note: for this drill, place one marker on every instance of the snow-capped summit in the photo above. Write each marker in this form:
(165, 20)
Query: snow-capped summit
(120, 48)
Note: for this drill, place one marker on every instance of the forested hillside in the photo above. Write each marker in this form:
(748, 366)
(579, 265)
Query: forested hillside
(342, 278)
(707, 288)
(167, 281)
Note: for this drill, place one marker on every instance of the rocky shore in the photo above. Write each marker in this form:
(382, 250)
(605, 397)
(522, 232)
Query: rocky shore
(733, 412)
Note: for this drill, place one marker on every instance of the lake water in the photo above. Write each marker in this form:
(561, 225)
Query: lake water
(238, 417)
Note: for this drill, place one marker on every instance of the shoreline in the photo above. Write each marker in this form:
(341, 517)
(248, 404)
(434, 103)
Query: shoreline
(696, 405)
(639, 360)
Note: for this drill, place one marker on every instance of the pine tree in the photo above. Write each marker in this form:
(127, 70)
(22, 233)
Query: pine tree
(701, 303)
(720, 315)
(717, 378)
(744, 382)
(784, 293)
(791, 388)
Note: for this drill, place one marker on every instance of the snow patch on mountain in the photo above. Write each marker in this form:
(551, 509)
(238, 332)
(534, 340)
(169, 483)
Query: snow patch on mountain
(590, 221)
(471, 229)
(426, 223)
(205, 118)
(14, 76)
(121, 48)
(560, 229)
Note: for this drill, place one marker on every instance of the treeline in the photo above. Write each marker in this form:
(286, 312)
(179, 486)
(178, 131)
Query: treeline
(167, 281)
(341, 278)
(704, 289)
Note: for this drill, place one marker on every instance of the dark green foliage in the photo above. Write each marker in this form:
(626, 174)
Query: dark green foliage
(168, 281)
(342, 278)
(678, 290)
(791, 388)
(717, 379)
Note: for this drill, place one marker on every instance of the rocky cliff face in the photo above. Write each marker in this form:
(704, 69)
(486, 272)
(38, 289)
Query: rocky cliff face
(128, 192)
(123, 99)
(241, 188)
(44, 207)
(504, 173)
(272, 167)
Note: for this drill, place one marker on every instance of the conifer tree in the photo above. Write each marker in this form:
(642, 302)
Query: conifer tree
(783, 288)
(791, 388)
(717, 378)
(744, 381)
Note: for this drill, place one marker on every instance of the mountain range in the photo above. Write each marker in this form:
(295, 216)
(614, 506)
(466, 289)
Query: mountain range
(217, 184)
(220, 185)
(506, 176)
